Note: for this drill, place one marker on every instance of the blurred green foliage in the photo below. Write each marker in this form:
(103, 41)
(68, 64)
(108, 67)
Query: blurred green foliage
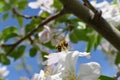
(77, 30)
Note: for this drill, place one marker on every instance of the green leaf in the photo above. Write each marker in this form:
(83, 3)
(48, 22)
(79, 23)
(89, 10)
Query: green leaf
(19, 4)
(32, 25)
(8, 33)
(57, 4)
(117, 60)
(28, 28)
(22, 4)
(1, 36)
(89, 46)
(115, 2)
(13, 2)
(102, 77)
(73, 38)
(4, 60)
(72, 21)
(1, 6)
(12, 35)
(20, 51)
(20, 21)
(13, 54)
(49, 45)
(81, 34)
(6, 8)
(87, 35)
(98, 40)
(33, 51)
(6, 49)
(45, 14)
(43, 54)
(9, 30)
(64, 18)
(17, 53)
(91, 41)
(5, 16)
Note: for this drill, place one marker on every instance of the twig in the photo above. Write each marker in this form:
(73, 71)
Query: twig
(25, 16)
(31, 40)
(36, 29)
(7, 45)
(87, 3)
(95, 11)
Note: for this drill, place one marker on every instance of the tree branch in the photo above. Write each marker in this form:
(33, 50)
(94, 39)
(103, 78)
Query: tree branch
(101, 26)
(25, 16)
(47, 20)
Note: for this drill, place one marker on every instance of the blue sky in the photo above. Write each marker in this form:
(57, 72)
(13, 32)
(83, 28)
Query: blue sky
(97, 55)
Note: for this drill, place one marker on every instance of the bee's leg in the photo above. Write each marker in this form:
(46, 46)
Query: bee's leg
(59, 48)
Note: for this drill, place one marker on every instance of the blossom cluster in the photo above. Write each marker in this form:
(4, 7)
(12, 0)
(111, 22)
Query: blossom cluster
(110, 11)
(62, 66)
(44, 5)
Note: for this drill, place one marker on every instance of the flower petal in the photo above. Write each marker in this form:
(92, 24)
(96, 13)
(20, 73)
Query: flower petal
(56, 77)
(40, 76)
(89, 71)
(34, 5)
(3, 71)
(103, 4)
(71, 59)
(45, 35)
(55, 58)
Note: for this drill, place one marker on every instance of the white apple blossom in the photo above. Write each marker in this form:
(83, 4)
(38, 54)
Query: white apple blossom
(3, 71)
(68, 59)
(111, 12)
(60, 57)
(65, 67)
(45, 35)
(44, 5)
(51, 73)
(89, 71)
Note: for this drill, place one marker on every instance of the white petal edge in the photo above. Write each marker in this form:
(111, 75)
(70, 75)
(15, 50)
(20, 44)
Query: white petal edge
(55, 58)
(39, 76)
(34, 5)
(89, 71)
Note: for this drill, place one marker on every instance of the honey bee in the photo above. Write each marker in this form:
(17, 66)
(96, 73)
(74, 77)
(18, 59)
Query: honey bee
(62, 45)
